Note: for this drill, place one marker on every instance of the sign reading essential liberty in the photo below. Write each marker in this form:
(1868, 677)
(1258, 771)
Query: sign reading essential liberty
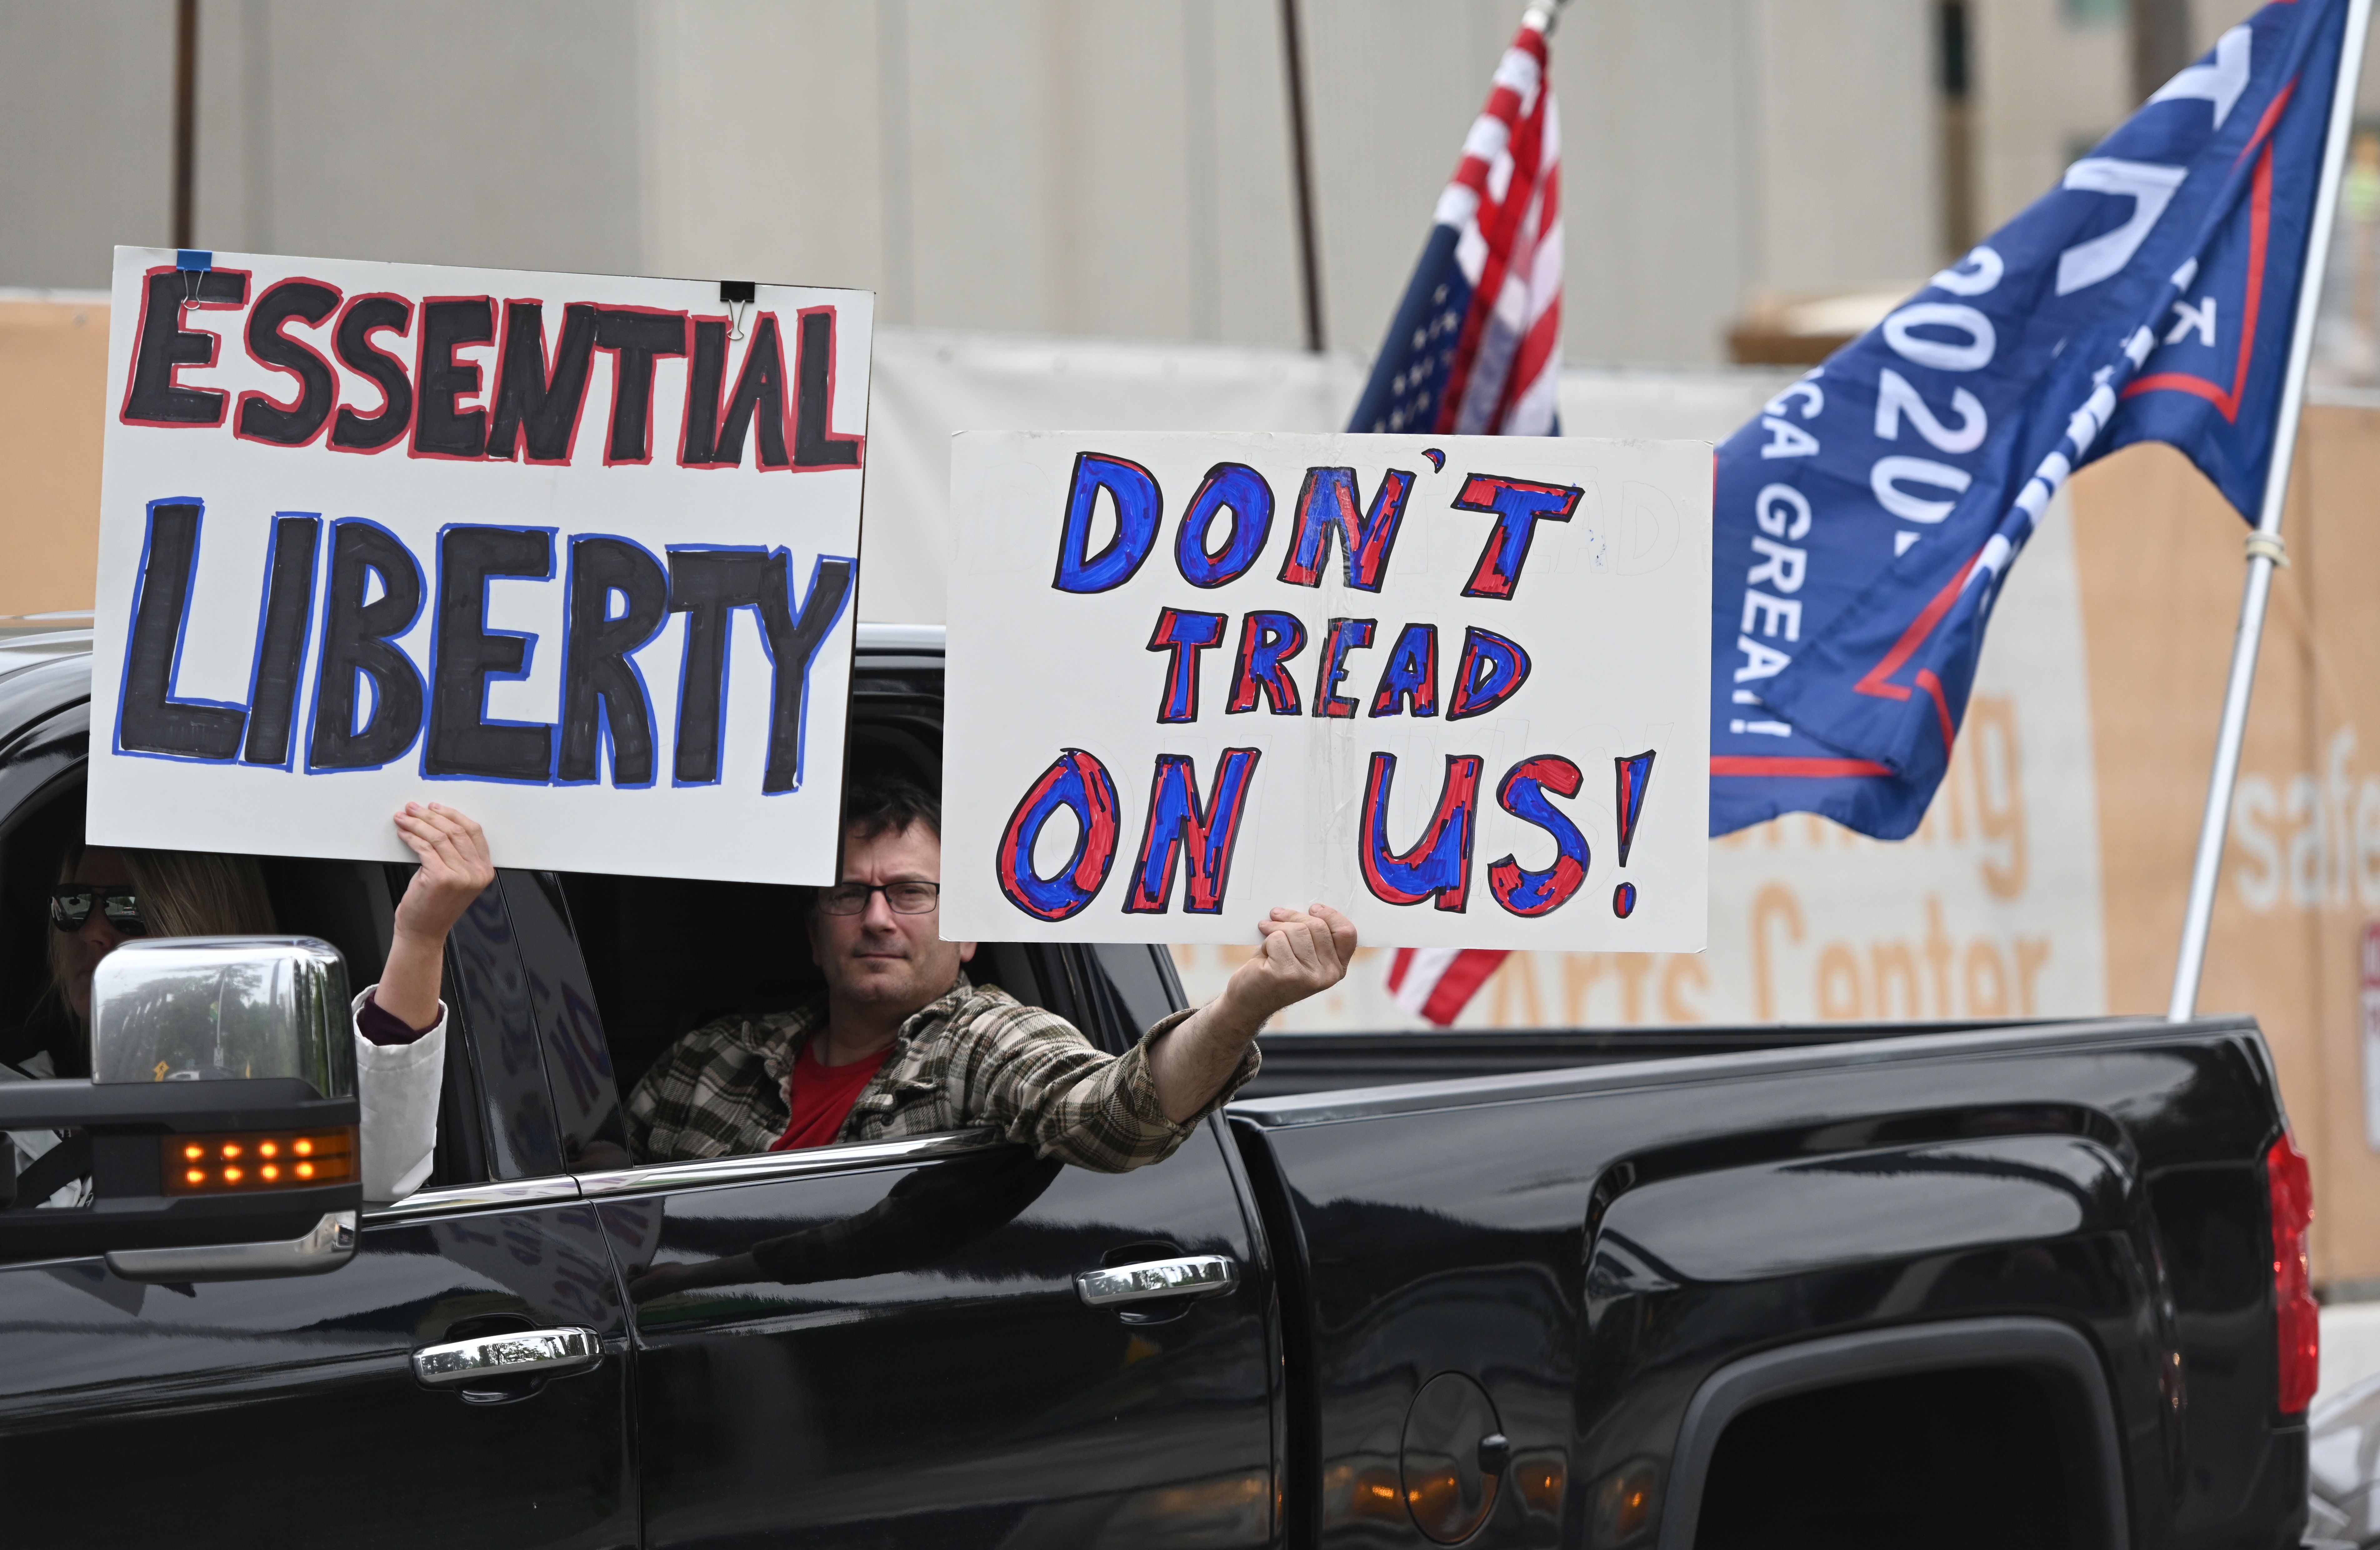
(583, 548)
(1453, 686)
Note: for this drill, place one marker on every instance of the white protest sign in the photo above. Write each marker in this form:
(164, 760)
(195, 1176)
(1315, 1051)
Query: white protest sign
(1454, 686)
(574, 553)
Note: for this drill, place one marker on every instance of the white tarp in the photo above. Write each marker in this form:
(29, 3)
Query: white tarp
(930, 384)
(573, 553)
(1446, 684)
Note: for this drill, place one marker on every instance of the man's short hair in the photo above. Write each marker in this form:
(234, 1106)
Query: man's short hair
(877, 805)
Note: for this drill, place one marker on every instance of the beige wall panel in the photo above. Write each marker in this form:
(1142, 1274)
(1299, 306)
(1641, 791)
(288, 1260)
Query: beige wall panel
(1848, 156)
(761, 142)
(1243, 173)
(1391, 89)
(1660, 130)
(53, 411)
(2042, 91)
(2159, 556)
(2332, 845)
(2162, 569)
(441, 132)
(86, 116)
(980, 198)
(1120, 256)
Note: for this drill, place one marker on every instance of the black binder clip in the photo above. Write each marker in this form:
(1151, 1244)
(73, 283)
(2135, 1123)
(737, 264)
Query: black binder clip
(737, 295)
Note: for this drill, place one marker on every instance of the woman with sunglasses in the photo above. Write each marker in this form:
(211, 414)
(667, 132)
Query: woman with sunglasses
(106, 897)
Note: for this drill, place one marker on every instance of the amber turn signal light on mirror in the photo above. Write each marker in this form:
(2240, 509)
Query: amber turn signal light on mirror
(250, 1162)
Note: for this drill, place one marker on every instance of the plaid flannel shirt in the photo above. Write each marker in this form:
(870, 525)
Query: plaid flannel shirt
(973, 1056)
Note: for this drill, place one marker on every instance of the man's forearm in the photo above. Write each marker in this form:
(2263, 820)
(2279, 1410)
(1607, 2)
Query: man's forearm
(1298, 954)
(1190, 1064)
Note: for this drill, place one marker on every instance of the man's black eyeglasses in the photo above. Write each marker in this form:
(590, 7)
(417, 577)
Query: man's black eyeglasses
(905, 898)
(71, 903)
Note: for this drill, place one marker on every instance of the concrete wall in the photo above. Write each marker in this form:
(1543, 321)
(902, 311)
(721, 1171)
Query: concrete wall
(1067, 167)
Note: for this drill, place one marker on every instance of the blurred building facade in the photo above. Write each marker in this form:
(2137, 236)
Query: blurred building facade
(1061, 166)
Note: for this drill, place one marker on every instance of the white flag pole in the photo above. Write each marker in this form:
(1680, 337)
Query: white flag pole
(2265, 551)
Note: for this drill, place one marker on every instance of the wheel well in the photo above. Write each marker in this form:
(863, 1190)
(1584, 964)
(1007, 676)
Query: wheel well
(1993, 1431)
(1965, 1460)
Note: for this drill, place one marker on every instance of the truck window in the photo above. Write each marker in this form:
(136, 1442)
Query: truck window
(663, 956)
(350, 904)
(33, 838)
(666, 955)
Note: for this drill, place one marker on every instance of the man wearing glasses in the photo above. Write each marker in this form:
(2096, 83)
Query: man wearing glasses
(903, 1043)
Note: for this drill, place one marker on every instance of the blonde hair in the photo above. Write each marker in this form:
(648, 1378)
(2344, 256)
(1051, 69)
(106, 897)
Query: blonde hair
(183, 893)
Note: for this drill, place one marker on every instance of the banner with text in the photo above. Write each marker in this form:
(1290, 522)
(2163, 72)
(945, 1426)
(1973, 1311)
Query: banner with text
(574, 553)
(1447, 685)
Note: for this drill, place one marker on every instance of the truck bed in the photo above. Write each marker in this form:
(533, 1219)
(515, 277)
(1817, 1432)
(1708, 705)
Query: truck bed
(2040, 1248)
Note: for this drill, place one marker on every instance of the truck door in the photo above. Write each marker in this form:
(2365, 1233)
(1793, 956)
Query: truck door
(885, 1344)
(286, 1412)
(916, 1393)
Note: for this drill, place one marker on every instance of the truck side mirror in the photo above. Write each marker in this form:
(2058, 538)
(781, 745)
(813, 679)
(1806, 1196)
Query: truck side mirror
(222, 1114)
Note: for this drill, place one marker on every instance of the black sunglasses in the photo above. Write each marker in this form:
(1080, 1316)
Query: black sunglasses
(71, 903)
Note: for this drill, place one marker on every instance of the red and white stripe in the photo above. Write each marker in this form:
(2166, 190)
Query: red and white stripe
(1506, 198)
(1437, 981)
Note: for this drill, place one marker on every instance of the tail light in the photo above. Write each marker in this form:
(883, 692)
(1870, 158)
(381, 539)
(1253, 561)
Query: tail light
(2299, 1320)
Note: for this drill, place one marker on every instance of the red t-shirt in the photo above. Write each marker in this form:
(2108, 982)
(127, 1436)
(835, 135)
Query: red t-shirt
(821, 1097)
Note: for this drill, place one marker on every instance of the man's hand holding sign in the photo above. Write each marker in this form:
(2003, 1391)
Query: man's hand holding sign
(1300, 954)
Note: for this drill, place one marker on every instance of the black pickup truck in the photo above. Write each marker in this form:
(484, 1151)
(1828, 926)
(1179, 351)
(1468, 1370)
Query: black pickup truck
(1987, 1285)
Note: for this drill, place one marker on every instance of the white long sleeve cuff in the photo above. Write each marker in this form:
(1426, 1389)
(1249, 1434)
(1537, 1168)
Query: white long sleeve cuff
(396, 1088)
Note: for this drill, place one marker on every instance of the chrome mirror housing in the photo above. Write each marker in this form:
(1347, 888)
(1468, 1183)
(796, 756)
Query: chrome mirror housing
(198, 1009)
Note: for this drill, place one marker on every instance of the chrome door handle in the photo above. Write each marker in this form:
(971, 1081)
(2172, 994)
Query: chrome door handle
(1191, 1276)
(544, 1353)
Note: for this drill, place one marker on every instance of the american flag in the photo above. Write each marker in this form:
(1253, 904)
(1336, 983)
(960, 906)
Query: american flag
(1476, 350)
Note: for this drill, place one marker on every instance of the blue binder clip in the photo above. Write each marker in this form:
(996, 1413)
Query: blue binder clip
(193, 262)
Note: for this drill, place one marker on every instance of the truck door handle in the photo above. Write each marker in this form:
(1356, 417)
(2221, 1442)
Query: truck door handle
(1189, 1276)
(537, 1353)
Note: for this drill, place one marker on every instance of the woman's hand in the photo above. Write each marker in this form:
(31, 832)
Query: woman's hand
(455, 869)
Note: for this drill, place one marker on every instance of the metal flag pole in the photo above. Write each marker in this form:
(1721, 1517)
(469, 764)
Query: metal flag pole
(2265, 551)
(1301, 159)
(186, 99)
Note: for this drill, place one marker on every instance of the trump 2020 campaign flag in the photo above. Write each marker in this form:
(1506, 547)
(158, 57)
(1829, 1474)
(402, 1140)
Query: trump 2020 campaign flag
(1475, 346)
(1865, 520)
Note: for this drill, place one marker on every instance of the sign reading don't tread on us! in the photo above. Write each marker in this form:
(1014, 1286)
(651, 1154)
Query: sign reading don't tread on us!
(1453, 686)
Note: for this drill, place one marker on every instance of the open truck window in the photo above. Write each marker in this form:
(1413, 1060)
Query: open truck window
(663, 956)
(350, 904)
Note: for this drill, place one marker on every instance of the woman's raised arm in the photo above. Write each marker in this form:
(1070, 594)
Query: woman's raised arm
(454, 870)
